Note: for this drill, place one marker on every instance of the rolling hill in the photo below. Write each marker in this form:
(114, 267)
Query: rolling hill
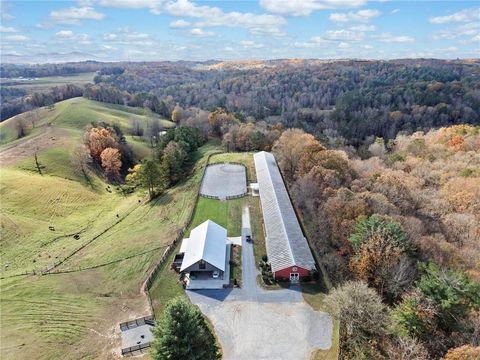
(101, 241)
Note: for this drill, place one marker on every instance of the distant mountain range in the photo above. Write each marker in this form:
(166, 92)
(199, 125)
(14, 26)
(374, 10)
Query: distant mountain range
(52, 57)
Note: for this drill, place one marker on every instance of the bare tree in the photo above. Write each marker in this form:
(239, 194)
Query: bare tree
(20, 127)
(81, 160)
(137, 129)
(37, 164)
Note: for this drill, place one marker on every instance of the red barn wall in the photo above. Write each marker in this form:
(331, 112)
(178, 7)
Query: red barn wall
(285, 273)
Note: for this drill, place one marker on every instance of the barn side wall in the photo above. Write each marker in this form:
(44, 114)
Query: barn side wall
(285, 273)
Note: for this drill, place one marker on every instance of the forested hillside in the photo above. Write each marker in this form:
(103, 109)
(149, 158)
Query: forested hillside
(352, 99)
(346, 102)
(404, 221)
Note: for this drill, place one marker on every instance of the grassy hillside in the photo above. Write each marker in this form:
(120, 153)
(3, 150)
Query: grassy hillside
(74, 114)
(75, 314)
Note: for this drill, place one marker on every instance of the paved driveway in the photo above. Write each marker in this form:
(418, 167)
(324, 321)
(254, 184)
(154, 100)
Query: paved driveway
(253, 323)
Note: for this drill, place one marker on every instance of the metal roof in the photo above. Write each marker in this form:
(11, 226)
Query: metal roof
(206, 242)
(286, 245)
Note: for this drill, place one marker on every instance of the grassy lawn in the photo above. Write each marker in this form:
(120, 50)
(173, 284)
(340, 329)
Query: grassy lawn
(227, 213)
(166, 287)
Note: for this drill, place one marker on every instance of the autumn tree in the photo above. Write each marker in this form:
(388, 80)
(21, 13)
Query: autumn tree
(98, 139)
(177, 114)
(111, 162)
(220, 121)
(465, 352)
(289, 149)
(362, 317)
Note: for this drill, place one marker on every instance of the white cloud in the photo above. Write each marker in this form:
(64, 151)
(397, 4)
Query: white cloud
(209, 16)
(344, 45)
(125, 36)
(360, 16)
(465, 15)
(73, 15)
(129, 4)
(68, 35)
(214, 16)
(7, 17)
(387, 37)
(179, 24)
(248, 44)
(394, 11)
(343, 35)
(64, 34)
(7, 29)
(367, 47)
(316, 41)
(17, 38)
(306, 7)
(473, 40)
(201, 33)
(363, 28)
(468, 29)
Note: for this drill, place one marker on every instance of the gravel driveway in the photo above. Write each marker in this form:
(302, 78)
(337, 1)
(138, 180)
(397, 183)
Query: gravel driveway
(253, 323)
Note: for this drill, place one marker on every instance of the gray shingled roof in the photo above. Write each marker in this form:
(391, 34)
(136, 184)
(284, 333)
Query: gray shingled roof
(286, 245)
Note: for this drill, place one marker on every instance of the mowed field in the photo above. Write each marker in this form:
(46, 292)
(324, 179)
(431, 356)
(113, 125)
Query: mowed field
(44, 83)
(75, 314)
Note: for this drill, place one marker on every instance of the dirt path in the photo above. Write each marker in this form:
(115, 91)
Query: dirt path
(48, 137)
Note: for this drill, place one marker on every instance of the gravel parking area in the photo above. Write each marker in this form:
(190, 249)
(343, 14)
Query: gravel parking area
(223, 180)
(254, 323)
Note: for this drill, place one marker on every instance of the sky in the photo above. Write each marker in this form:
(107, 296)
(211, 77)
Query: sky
(143, 30)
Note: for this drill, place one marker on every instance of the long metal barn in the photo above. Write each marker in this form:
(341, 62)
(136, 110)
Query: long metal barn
(287, 249)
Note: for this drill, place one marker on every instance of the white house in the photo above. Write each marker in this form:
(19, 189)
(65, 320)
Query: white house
(205, 252)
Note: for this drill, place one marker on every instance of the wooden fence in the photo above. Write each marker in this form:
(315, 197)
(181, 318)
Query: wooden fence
(172, 246)
(137, 322)
(228, 197)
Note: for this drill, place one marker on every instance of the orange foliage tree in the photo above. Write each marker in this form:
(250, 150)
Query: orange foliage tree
(98, 139)
(111, 162)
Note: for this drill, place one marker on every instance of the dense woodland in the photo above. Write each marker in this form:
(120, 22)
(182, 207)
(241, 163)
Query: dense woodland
(348, 102)
(397, 234)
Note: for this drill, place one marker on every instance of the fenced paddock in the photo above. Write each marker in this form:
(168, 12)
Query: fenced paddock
(223, 181)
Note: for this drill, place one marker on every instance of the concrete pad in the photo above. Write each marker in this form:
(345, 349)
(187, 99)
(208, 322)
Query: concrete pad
(133, 336)
(224, 180)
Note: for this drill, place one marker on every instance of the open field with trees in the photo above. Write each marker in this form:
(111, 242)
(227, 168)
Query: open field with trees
(34, 84)
(106, 238)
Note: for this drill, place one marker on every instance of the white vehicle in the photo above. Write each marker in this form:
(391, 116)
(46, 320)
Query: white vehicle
(215, 274)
